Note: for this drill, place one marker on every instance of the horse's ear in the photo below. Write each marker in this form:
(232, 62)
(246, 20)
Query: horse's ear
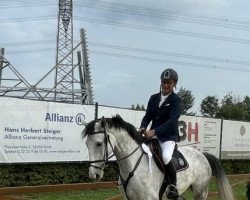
(84, 133)
(84, 123)
(84, 130)
(103, 121)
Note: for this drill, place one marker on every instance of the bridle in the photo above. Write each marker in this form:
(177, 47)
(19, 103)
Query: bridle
(106, 157)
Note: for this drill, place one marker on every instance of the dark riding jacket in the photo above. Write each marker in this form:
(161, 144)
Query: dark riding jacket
(164, 118)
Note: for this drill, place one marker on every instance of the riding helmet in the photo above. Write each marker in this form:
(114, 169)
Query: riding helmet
(169, 74)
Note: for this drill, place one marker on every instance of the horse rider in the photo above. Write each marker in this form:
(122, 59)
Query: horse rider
(164, 111)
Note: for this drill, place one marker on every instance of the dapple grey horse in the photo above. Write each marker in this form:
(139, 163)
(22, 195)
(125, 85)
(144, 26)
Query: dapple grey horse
(109, 136)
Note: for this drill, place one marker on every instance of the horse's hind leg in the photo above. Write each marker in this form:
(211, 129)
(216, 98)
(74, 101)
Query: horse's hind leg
(200, 193)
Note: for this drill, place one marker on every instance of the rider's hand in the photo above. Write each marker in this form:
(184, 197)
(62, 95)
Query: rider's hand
(149, 133)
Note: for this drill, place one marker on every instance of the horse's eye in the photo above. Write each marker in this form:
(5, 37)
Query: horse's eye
(99, 144)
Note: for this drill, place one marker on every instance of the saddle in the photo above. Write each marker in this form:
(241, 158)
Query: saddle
(178, 159)
(180, 162)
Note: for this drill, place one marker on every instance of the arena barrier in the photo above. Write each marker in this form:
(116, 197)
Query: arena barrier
(41, 132)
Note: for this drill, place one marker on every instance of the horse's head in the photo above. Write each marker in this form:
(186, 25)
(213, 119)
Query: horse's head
(100, 144)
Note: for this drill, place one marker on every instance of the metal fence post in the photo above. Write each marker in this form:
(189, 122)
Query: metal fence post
(96, 110)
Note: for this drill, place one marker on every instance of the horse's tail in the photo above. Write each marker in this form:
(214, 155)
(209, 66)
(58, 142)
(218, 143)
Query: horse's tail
(224, 187)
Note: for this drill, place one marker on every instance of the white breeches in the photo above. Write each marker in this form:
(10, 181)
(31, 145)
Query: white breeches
(167, 151)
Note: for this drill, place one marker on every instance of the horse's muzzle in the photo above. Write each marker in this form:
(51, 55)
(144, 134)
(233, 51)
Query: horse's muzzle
(95, 174)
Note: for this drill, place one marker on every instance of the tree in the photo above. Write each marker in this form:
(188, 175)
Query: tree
(138, 107)
(209, 106)
(232, 112)
(228, 99)
(232, 108)
(246, 107)
(187, 101)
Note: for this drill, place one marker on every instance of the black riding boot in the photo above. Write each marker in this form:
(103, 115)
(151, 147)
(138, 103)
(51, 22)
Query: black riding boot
(170, 171)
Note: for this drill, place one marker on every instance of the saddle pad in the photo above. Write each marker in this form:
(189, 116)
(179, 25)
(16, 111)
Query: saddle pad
(180, 162)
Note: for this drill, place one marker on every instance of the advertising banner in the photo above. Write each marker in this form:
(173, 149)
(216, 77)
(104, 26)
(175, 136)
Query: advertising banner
(235, 140)
(133, 117)
(200, 133)
(36, 131)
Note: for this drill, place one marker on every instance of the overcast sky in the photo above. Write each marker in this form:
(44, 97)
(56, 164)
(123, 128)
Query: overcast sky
(206, 42)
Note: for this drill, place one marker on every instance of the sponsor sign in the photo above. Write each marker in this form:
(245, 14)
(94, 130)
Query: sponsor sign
(133, 117)
(200, 133)
(35, 131)
(235, 140)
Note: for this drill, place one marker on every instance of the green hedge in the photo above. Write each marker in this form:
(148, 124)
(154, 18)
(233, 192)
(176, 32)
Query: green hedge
(66, 173)
(47, 174)
(236, 166)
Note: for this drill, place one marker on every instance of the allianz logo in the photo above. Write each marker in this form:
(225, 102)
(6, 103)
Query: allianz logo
(56, 117)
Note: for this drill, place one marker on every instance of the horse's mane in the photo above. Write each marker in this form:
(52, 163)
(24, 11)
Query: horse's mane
(118, 123)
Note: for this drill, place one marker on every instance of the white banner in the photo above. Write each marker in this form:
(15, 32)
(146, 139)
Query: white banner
(235, 140)
(134, 117)
(200, 133)
(36, 131)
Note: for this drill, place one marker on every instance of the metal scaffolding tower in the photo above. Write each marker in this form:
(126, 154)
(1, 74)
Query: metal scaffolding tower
(12, 83)
(87, 94)
(80, 90)
(1, 63)
(72, 82)
(64, 82)
(70, 85)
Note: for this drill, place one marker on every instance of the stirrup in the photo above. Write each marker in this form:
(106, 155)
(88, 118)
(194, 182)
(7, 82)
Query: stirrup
(172, 192)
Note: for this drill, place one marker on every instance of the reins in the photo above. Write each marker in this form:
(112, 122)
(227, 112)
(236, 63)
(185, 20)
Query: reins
(105, 159)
